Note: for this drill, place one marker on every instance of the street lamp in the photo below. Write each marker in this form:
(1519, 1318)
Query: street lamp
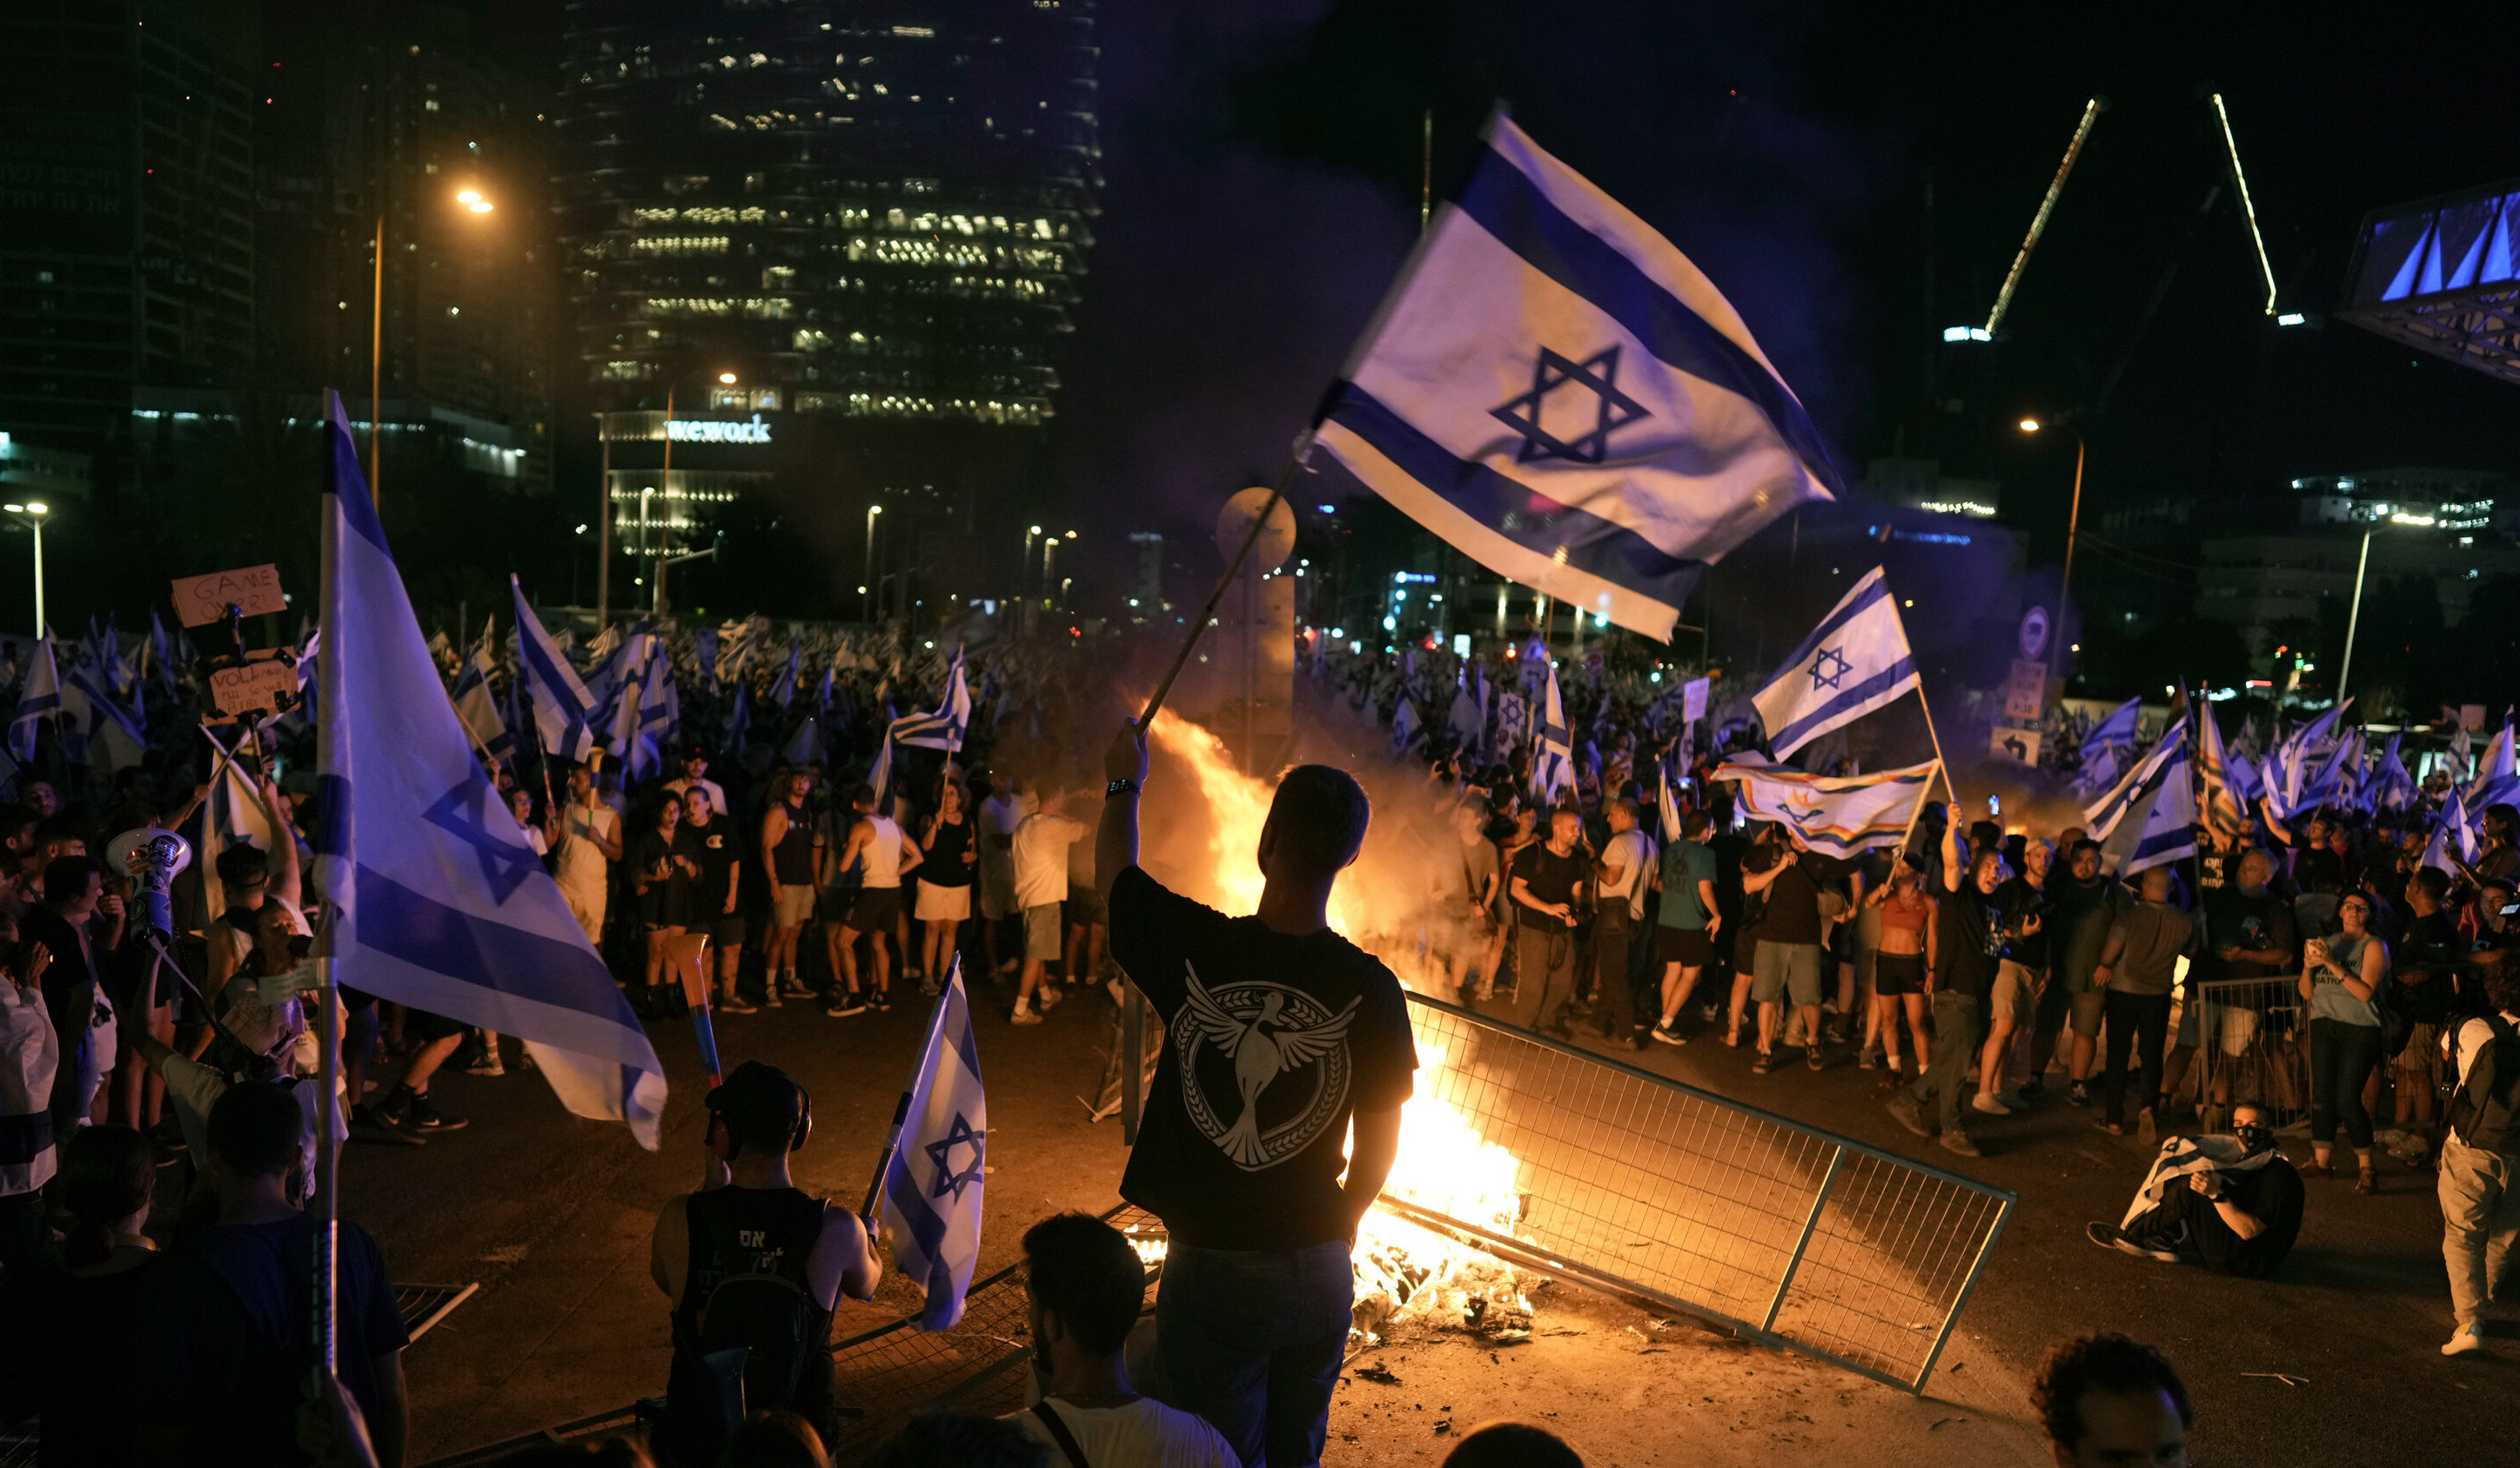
(2353, 612)
(2073, 516)
(32, 515)
(865, 602)
(1049, 552)
(474, 202)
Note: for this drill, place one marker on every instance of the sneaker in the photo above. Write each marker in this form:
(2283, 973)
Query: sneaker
(2033, 1089)
(2012, 1101)
(1707, 1012)
(423, 1117)
(487, 1065)
(1669, 1036)
(771, 997)
(735, 1004)
(1764, 1064)
(2112, 1237)
(2078, 1094)
(1023, 1016)
(882, 1003)
(798, 987)
(1812, 1058)
(931, 988)
(848, 1005)
(1907, 1113)
(2114, 1129)
(1868, 1061)
(1956, 1140)
(367, 1123)
(2467, 1339)
(1989, 1105)
(1048, 997)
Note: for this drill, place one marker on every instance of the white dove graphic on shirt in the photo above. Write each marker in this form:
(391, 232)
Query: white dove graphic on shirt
(1261, 1050)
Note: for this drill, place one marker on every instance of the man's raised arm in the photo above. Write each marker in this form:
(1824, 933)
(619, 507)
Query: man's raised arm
(1115, 844)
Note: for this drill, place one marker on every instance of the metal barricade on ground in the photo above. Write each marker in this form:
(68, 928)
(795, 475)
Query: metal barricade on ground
(2252, 1043)
(1779, 1231)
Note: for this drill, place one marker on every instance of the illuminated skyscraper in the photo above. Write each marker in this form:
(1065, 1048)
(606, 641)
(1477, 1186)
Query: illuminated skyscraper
(870, 218)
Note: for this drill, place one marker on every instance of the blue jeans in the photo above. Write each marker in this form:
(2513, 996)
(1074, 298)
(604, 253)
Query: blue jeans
(1251, 1341)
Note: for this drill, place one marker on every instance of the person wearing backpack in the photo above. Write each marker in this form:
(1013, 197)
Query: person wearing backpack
(753, 1265)
(2480, 1159)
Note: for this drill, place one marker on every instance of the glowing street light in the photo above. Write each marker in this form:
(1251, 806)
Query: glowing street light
(727, 378)
(865, 602)
(473, 201)
(32, 515)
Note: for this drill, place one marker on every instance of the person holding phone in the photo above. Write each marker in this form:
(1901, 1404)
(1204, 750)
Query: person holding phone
(2342, 979)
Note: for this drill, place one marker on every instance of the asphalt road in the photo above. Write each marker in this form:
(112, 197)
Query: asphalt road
(2333, 1361)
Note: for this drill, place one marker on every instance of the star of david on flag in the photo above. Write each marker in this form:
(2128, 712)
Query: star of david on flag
(1855, 661)
(1554, 389)
(933, 1182)
(442, 905)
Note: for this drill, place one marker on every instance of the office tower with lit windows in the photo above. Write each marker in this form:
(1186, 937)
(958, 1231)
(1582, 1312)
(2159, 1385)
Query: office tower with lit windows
(862, 226)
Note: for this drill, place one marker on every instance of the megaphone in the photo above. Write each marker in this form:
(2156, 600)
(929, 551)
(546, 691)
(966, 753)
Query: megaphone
(153, 857)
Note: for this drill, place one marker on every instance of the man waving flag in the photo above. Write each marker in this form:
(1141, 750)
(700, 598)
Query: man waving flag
(1559, 393)
(1854, 662)
(444, 906)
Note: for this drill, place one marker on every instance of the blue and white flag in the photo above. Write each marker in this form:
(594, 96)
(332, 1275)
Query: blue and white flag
(660, 712)
(2498, 777)
(113, 736)
(477, 707)
(2159, 824)
(442, 905)
(563, 707)
(2389, 789)
(2101, 817)
(161, 652)
(1407, 732)
(805, 747)
(704, 649)
(39, 700)
(1553, 755)
(932, 1185)
(1836, 816)
(1854, 662)
(2116, 732)
(1671, 823)
(2453, 838)
(1554, 389)
(1468, 721)
(739, 719)
(943, 727)
(785, 689)
(2224, 778)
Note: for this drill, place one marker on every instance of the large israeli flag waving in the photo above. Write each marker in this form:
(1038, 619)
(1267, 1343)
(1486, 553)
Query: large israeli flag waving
(933, 1185)
(560, 702)
(444, 906)
(1855, 661)
(1557, 391)
(943, 727)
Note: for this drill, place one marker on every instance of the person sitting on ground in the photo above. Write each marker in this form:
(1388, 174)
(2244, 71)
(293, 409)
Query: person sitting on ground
(68, 1331)
(2106, 1402)
(751, 1260)
(2232, 1204)
(1513, 1445)
(1087, 1289)
(2479, 1158)
(226, 1353)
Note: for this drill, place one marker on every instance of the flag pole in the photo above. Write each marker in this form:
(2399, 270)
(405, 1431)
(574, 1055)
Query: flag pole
(1233, 568)
(901, 1107)
(328, 1164)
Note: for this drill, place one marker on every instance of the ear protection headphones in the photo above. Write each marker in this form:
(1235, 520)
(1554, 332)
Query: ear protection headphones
(716, 1103)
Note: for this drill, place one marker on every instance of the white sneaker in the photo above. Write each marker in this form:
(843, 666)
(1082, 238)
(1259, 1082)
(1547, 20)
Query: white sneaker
(1023, 1016)
(1047, 997)
(2467, 1339)
(1989, 1104)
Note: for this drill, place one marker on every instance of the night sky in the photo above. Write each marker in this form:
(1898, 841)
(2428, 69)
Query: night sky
(1262, 165)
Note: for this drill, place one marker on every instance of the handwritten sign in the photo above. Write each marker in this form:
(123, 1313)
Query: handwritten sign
(1692, 698)
(202, 600)
(2025, 693)
(269, 686)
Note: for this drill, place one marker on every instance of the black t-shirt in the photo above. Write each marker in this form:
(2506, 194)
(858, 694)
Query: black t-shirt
(1968, 938)
(224, 1340)
(1548, 877)
(942, 864)
(2271, 1194)
(1272, 1042)
(2235, 920)
(1792, 912)
(2431, 945)
(2320, 870)
(2020, 901)
(712, 849)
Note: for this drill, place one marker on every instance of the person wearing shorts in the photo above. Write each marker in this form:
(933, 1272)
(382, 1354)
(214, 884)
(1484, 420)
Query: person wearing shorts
(788, 856)
(708, 840)
(1906, 921)
(875, 848)
(1685, 925)
(949, 858)
(2082, 905)
(1786, 967)
(1040, 850)
(2012, 1004)
(1000, 816)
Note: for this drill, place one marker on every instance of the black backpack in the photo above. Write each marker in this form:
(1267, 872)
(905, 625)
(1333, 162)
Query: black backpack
(770, 1322)
(2482, 1112)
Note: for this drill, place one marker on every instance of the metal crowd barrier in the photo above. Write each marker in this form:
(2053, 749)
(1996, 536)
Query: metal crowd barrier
(2252, 1042)
(1781, 1232)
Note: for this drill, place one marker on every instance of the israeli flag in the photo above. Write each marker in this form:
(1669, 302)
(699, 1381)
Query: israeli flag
(1855, 661)
(1836, 816)
(2390, 789)
(933, 1182)
(563, 707)
(943, 727)
(475, 706)
(1468, 719)
(1553, 762)
(116, 736)
(2223, 774)
(1554, 389)
(1671, 823)
(2116, 732)
(2498, 777)
(786, 692)
(444, 906)
(2101, 818)
(1407, 732)
(2159, 826)
(39, 700)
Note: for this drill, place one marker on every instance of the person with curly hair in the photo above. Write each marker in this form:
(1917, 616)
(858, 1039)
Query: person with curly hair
(2104, 1400)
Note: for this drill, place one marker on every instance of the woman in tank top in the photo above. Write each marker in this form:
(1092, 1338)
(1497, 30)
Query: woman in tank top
(2341, 977)
(944, 883)
(662, 878)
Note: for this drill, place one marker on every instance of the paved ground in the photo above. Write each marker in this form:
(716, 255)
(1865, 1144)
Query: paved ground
(551, 1215)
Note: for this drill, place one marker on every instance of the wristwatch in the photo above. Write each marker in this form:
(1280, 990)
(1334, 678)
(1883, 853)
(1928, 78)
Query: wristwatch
(1124, 786)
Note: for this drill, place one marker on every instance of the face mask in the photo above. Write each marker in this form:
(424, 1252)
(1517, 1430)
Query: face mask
(2254, 1140)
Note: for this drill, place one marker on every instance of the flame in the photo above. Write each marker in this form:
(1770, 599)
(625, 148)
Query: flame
(1402, 1270)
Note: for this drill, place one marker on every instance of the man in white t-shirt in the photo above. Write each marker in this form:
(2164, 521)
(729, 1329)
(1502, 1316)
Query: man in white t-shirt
(2480, 1161)
(694, 777)
(587, 834)
(1000, 814)
(1088, 1289)
(1040, 888)
(1626, 860)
